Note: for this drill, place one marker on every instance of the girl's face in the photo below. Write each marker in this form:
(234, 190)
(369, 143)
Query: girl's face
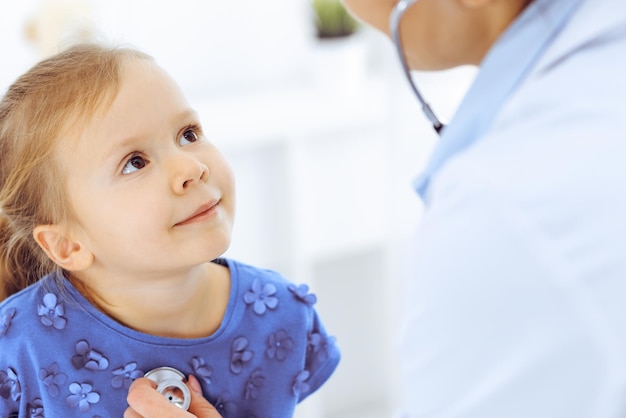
(441, 34)
(150, 193)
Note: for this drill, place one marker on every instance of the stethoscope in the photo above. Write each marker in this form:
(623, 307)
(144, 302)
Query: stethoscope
(394, 25)
(171, 384)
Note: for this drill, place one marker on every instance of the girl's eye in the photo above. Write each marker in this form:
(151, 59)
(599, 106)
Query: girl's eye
(189, 136)
(134, 163)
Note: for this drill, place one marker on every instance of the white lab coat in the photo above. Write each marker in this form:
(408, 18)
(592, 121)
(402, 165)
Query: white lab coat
(517, 299)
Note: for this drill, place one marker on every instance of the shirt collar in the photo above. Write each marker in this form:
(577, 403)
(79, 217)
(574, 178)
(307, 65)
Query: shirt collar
(504, 68)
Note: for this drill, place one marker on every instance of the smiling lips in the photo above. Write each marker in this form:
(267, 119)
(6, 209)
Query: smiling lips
(204, 212)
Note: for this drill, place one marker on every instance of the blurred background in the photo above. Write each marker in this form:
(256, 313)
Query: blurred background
(324, 137)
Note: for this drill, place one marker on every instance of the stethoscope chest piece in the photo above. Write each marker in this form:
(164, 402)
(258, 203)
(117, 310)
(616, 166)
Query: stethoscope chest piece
(171, 384)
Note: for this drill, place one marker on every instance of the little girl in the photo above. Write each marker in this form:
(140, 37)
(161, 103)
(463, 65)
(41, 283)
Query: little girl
(115, 212)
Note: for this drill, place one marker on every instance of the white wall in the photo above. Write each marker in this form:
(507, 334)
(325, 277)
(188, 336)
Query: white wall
(324, 145)
(208, 45)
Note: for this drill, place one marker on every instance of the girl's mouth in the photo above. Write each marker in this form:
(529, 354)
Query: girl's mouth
(202, 213)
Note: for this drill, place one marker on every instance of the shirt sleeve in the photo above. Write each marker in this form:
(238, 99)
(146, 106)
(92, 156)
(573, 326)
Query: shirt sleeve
(11, 381)
(322, 357)
(496, 324)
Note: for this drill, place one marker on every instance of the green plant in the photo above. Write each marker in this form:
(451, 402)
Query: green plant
(332, 20)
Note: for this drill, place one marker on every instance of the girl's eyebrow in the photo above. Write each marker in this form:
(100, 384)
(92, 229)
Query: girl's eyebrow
(125, 143)
(185, 115)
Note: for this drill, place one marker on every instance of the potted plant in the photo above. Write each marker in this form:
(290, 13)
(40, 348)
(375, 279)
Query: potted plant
(332, 20)
(339, 57)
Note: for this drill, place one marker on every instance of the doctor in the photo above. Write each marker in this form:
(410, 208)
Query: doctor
(517, 299)
(518, 293)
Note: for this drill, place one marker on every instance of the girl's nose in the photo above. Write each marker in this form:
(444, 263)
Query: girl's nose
(186, 171)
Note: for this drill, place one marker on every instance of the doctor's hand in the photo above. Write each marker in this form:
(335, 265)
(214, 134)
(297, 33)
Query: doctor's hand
(146, 402)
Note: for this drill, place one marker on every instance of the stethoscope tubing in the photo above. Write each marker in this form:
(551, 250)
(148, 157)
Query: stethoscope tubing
(394, 26)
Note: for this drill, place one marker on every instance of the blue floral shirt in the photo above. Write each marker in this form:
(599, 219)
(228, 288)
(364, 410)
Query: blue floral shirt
(60, 356)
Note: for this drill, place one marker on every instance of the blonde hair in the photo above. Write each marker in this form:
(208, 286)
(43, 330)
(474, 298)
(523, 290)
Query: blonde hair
(43, 106)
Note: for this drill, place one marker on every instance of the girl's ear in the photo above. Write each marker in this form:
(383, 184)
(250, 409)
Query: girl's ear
(62, 249)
